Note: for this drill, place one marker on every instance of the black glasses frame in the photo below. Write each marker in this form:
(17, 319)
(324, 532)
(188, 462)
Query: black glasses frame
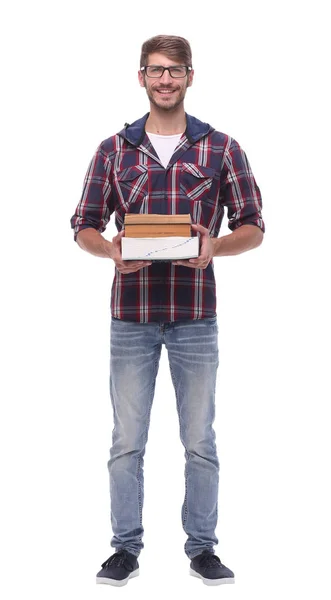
(188, 69)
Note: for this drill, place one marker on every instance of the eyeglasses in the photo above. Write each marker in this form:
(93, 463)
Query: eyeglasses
(155, 71)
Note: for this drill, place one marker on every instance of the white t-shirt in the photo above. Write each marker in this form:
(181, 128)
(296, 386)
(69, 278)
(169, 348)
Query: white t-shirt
(164, 145)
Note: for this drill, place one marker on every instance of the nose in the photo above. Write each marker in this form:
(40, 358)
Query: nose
(166, 77)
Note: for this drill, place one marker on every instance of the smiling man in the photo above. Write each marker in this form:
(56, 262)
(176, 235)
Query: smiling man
(167, 162)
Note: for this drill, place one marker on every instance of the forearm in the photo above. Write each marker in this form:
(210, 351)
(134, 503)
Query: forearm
(242, 239)
(92, 241)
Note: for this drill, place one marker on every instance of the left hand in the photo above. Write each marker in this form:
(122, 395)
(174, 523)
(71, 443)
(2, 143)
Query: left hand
(206, 251)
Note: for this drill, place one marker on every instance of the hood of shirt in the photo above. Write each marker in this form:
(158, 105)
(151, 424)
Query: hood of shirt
(134, 133)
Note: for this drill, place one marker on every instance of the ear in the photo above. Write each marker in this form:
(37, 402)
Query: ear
(141, 78)
(190, 78)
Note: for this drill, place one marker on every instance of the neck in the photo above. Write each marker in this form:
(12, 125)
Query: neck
(166, 122)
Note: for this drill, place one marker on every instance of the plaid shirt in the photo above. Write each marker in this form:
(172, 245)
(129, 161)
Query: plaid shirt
(207, 172)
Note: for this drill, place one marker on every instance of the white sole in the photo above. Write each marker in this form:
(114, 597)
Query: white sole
(116, 582)
(212, 581)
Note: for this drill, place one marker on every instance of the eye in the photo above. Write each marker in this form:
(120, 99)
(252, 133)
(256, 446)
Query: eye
(178, 70)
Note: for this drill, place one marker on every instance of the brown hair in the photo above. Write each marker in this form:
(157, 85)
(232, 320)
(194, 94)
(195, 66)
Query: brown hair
(173, 46)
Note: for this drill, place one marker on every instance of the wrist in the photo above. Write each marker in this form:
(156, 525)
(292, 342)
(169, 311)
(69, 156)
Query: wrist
(214, 245)
(108, 248)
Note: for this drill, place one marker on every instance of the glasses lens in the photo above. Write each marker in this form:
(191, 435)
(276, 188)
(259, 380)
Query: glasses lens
(177, 71)
(157, 71)
(154, 71)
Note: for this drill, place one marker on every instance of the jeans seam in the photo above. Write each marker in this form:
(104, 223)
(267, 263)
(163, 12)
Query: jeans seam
(180, 431)
(145, 436)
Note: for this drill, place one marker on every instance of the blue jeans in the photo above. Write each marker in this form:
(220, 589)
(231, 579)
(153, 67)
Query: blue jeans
(135, 351)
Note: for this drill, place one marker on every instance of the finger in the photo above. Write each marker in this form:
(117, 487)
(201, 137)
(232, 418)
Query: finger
(119, 236)
(183, 263)
(136, 263)
(200, 228)
(201, 260)
(195, 261)
(128, 263)
(131, 266)
(178, 263)
(128, 271)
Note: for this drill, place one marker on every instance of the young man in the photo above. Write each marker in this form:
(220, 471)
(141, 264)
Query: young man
(167, 162)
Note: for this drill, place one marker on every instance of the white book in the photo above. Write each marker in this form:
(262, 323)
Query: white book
(162, 248)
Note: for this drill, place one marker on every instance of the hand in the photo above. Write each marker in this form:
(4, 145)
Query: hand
(125, 266)
(206, 251)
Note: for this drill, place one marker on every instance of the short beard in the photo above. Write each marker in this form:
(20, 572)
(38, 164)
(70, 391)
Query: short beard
(166, 107)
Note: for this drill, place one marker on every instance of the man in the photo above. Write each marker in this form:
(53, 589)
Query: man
(167, 162)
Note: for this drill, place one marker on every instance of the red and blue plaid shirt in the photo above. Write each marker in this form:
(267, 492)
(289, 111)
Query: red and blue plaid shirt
(207, 172)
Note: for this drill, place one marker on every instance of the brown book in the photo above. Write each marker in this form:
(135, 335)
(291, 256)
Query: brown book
(153, 225)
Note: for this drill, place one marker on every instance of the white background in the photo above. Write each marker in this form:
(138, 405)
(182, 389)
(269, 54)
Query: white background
(69, 71)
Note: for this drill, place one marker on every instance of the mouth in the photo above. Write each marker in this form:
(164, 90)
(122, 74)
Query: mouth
(165, 92)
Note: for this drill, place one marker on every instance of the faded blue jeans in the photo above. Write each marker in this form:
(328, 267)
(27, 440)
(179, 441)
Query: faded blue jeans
(135, 351)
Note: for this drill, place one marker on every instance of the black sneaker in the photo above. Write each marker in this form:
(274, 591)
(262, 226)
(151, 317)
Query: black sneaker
(118, 568)
(209, 568)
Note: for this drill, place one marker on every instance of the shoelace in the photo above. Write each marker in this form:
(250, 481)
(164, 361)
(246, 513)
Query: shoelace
(118, 559)
(209, 560)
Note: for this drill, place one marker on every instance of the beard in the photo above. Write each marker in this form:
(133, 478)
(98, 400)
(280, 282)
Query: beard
(170, 103)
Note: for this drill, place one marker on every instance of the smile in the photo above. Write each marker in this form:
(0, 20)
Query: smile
(165, 91)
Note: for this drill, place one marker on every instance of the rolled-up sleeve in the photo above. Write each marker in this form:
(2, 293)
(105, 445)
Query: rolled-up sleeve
(95, 206)
(240, 192)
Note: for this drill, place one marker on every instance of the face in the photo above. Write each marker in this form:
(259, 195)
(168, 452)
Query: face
(165, 92)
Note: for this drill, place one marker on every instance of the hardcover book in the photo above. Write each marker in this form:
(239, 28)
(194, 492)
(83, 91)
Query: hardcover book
(141, 225)
(164, 248)
(158, 237)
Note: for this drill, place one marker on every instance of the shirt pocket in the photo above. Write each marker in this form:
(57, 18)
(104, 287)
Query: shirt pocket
(130, 186)
(199, 187)
(196, 181)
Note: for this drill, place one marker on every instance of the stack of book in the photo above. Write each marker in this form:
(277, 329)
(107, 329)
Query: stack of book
(158, 237)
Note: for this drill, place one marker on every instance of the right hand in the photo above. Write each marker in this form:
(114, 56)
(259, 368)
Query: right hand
(125, 266)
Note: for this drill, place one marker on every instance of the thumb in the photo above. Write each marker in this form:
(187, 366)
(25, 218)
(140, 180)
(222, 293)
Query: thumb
(200, 228)
(118, 236)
